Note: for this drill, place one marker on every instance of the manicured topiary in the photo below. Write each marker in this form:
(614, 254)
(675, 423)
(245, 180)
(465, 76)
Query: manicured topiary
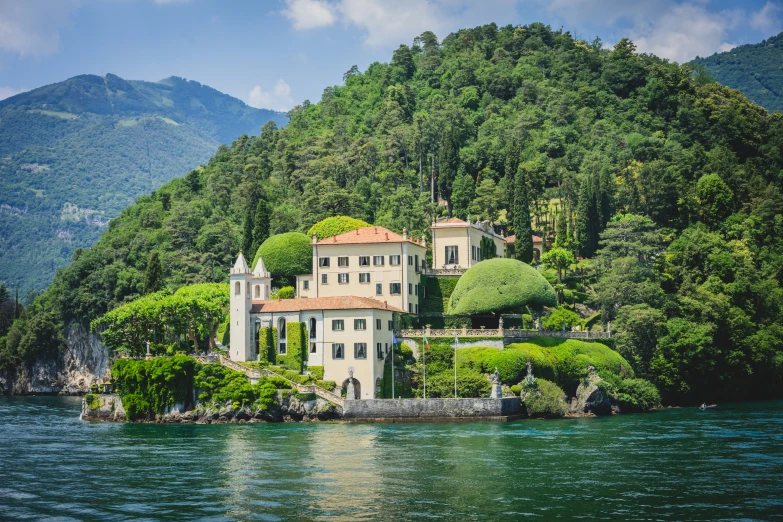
(266, 344)
(296, 343)
(335, 225)
(500, 284)
(287, 292)
(286, 254)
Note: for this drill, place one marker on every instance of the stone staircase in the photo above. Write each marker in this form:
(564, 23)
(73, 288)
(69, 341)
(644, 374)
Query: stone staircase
(255, 375)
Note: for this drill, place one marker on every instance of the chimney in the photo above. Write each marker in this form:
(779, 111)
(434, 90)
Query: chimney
(376, 230)
(357, 231)
(386, 304)
(387, 236)
(334, 239)
(315, 237)
(278, 297)
(405, 233)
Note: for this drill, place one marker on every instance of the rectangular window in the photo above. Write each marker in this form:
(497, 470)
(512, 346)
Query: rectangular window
(394, 288)
(324, 279)
(379, 349)
(305, 285)
(410, 308)
(281, 349)
(338, 325)
(312, 347)
(342, 261)
(394, 260)
(338, 351)
(364, 277)
(378, 288)
(417, 288)
(472, 252)
(410, 260)
(359, 324)
(417, 309)
(323, 262)
(391, 327)
(364, 260)
(452, 256)
(410, 288)
(423, 264)
(342, 279)
(377, 324)
(416, 262)
(359, 350)
(377, 260)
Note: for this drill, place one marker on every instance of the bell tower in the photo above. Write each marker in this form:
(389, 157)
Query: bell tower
(241, 333)
(262, 282)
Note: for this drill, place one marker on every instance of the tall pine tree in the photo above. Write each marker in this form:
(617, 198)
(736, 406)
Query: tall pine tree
(260, 226)
(523, 232)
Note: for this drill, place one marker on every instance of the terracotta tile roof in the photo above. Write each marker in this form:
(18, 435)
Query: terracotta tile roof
(453, 220)
(321, 303)
(536, 239)
(365, 235)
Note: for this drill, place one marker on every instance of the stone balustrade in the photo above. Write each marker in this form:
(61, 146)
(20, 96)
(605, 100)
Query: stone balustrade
(501, 332)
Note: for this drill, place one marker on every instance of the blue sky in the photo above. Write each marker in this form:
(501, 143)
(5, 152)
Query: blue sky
(277, 53)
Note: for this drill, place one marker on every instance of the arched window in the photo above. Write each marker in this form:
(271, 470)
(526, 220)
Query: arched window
(312, 328)
(258, 291)
(237, 288)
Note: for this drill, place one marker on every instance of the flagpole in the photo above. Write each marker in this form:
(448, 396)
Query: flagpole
(394, 342)
(456, 343)
(424, 358)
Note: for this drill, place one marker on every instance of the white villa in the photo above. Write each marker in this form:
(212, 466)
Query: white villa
(344, 310)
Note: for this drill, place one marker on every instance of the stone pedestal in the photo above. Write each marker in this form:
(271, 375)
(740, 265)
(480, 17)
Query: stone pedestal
(497, 391)
(350, 392)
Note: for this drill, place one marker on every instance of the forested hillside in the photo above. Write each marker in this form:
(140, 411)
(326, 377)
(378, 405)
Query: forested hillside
(523, 125)
(754, 69)
(75, 153)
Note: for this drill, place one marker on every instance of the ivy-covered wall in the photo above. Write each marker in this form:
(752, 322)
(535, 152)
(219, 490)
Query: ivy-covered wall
(296, 347)
(267, 351)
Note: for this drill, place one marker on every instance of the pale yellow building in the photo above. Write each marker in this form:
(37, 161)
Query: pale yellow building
(345, 335)
(538, 245)
(456, 244)
(371, 262)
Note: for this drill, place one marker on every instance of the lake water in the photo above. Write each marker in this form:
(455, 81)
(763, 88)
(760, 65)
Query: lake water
(679, 464)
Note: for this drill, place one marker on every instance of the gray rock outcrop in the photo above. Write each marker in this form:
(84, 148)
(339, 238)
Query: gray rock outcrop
(591, 396)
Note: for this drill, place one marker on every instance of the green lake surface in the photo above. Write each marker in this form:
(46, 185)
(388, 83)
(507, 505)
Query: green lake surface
(677, 464)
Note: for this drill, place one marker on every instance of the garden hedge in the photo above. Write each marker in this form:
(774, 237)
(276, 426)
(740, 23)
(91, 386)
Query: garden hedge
(296, 347)
(335, 225)
(500, 284)
(286, 255)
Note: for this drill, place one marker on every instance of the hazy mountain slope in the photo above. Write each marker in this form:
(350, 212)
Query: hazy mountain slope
(75, 153)
(755, 69)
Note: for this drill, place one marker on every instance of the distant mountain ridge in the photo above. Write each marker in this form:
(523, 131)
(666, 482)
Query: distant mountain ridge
(756, 70)
(75, 153)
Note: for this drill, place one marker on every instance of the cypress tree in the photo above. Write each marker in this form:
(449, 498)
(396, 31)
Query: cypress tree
(588, 216)
(247, 232)
(511, 167)
(523, 232)
(561, 234)
(260, 226)
(153, 276)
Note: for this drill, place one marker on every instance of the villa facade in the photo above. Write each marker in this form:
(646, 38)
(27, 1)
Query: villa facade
(456, 244)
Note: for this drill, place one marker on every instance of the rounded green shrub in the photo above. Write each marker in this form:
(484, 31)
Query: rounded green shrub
(335, 225)
(287, 292)
(544, 399)
(500, 284)
(286, 254)
(555, 320)
(637, 395)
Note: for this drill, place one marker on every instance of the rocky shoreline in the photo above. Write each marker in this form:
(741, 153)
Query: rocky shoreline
(289, 409)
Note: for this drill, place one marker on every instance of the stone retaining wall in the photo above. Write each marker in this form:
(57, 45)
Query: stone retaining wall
(432, 409)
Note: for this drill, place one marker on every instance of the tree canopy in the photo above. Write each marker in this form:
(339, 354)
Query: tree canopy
(335, 225)
(286, 255)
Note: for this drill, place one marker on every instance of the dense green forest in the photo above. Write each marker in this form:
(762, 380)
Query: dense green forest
(75, 153)
(668, 182)
(754, 69)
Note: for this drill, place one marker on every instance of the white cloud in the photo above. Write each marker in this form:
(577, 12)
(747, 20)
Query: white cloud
(30, 28)
(684, 32)
(679, 31)
(7, 92)
(309, 14)
(768, 19)
(390, 23)
(278, 99)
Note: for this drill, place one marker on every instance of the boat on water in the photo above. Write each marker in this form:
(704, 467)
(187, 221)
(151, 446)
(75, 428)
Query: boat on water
(707, 406)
